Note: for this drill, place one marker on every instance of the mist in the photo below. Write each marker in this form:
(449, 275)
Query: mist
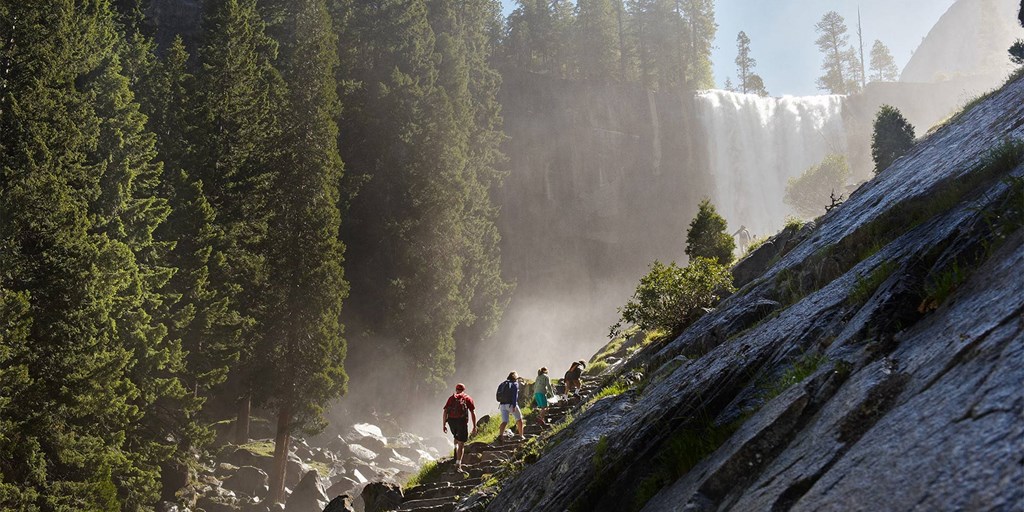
(604, 178)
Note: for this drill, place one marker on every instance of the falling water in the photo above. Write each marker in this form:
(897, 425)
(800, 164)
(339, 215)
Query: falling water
(755, 144)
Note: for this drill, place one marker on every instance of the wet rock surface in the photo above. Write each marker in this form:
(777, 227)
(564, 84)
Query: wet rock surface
(910, 403)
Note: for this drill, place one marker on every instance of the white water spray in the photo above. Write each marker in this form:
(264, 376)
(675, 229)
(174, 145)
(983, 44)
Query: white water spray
(755, 144)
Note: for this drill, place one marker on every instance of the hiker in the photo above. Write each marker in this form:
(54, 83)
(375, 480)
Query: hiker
(508, 404)
(457, 411)
(743, 238)
(541, 390)
(573, 378)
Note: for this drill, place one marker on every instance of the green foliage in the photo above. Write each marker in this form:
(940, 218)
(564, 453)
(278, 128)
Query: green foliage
(1017, 52)
(678, 455)
(422, 131)
(596, 368)
(600, 451)
(794, 223)
(866, 286)
(708, 236)
(810, 192)
(427, 473)
(614, 389)
(943, 285)
(671, 298)
(883, 66)
(749, 81)
(488, 432)
(893, 136)
(841, 65)
(801, 369)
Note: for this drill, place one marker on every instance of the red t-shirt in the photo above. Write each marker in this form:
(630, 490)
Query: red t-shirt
(451, 402)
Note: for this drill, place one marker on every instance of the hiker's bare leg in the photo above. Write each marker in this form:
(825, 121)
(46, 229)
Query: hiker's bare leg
(519, 425)
(501, 429)
(460, 448)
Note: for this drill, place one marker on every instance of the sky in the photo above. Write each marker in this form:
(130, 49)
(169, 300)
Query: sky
(782, 35)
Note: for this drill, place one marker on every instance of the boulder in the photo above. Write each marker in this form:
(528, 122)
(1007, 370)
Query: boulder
(359, 477)
(407, 440)
(248, 480)
(340, 504)
(309, 495)
(294, 472)
(361, 452)
(343, 485)
(337, 445)
(363, 430)
(483, 420)
(381, 496)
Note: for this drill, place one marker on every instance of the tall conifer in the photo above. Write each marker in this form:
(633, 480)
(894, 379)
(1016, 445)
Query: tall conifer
(240, 96)
(303, 351)
(77, 227)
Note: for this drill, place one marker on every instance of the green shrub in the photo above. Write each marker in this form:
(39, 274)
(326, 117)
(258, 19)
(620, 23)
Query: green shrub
(810, 192)
(596, 368)
(614, 389)
(865, 287)
(893, 136)
(671, 298)
(426, 474)
(803, 368)
(708, 236)
(488, 432)
(1017, 52)
(679, 454)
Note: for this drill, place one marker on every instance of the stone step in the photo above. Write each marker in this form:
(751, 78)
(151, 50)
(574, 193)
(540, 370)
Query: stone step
(450, 490)
(427, 503)
(444, 507)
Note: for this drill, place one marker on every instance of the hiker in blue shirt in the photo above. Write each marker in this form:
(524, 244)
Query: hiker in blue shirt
(508, 404)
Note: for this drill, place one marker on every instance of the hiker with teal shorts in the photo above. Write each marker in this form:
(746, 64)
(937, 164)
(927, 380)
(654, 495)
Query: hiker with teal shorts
(541, 390)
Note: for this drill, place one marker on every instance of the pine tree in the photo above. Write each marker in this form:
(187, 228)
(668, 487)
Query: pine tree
(239, 100)
(841, 64)
(424, 139)
(893, 136)
(883, 66)
(82, 273)
(749, 81)
(699, 19)
(708, 236)
(302, 355)
(728, 86)
(597, 45)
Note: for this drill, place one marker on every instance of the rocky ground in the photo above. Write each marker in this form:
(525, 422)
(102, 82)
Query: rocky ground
(236, 479)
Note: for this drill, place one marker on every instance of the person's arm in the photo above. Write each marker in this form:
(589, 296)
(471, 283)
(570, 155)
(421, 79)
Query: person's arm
(472, 412)
(444, 419)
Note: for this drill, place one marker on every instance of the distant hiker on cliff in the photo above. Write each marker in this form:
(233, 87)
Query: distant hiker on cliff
(508, 404)
(573, 378)
(457, 411)
(743, 238)
(541, 390)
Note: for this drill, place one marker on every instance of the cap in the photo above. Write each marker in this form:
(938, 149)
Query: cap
(460, 387)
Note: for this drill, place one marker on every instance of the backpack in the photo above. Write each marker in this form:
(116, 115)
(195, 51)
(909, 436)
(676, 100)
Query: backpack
(506, 394)
(457, 408)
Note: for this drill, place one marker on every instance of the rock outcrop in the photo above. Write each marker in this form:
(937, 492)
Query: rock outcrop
(875, 365)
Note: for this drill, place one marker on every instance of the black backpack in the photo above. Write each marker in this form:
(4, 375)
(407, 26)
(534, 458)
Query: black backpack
(506, 394)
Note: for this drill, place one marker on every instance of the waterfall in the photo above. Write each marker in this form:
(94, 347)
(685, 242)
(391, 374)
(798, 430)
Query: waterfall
(755, 144)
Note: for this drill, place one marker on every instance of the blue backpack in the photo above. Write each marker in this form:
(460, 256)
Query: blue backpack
(506, 393)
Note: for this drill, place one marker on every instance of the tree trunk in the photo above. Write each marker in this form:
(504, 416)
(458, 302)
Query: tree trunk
(242, 421)
(284, 419)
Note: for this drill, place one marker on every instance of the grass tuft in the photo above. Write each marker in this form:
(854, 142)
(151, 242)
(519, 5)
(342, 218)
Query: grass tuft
(866, 286)
(803, 368)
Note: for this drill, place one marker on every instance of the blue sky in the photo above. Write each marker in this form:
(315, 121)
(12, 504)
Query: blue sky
(782, 34)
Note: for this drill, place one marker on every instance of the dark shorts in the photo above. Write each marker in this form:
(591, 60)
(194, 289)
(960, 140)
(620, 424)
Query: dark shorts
(459, 428)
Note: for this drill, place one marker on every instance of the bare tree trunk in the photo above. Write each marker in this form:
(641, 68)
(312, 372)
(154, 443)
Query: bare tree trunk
(281, 441)
(242, 421)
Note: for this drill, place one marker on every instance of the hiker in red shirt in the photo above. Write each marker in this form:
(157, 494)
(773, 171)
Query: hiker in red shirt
(457, 410)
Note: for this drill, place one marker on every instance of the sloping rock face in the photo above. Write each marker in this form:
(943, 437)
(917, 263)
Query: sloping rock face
(904, 308)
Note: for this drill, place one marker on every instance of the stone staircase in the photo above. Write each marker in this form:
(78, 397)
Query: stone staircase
(481, 460)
